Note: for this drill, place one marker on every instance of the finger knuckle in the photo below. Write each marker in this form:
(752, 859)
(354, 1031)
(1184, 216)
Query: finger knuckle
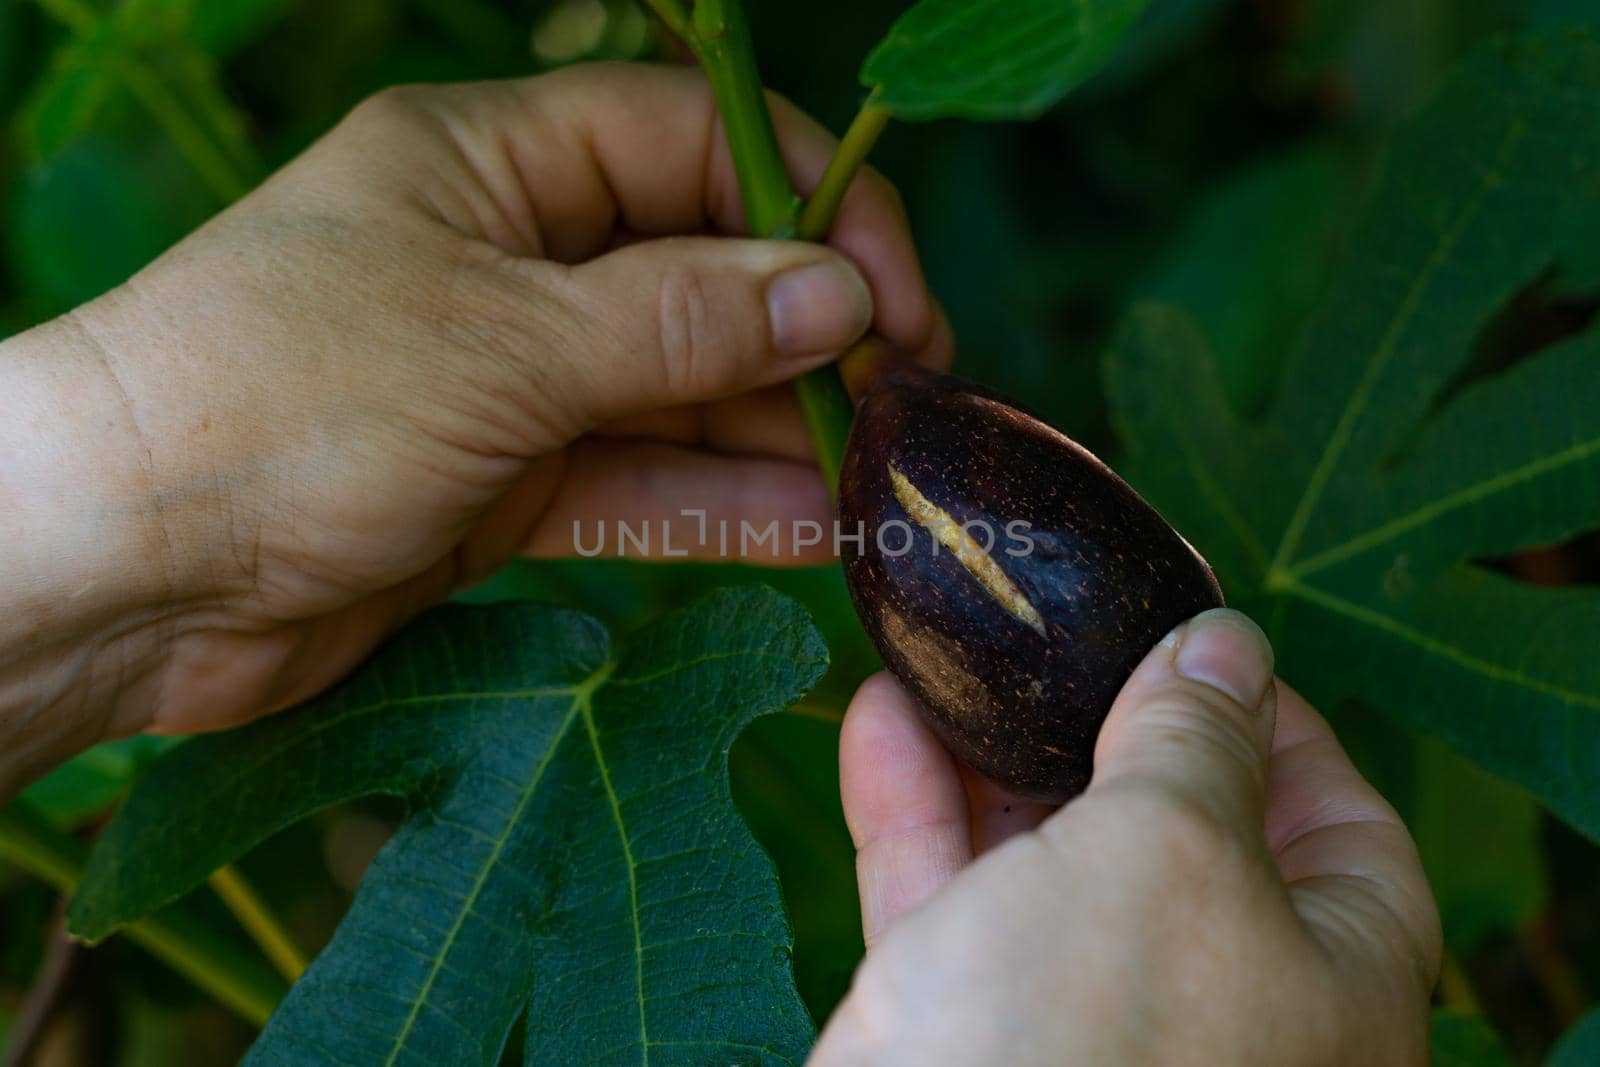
(1185, 831)
(581, 78)
(502, 325)
(396, 106)
(1200, 718)
(687, 332)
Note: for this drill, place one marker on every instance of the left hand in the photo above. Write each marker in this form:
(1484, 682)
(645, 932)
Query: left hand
(465, 318)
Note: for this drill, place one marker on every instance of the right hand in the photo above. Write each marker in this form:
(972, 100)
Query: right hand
(1229, 890)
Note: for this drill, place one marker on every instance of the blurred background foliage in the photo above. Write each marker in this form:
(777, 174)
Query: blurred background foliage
(1214, 164)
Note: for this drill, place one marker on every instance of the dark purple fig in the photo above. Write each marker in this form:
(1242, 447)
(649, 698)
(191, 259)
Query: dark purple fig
(1007, 577)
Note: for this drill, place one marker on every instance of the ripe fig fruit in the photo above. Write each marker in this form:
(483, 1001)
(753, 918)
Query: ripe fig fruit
(1007, 577)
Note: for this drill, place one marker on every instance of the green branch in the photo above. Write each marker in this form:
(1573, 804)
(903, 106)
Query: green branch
(236, 979)
(259, 921)
(720, 38)
(817, 218)
(827, 406)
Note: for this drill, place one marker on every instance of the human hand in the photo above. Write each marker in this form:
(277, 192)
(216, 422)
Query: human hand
(1224, 892)
(453, 326)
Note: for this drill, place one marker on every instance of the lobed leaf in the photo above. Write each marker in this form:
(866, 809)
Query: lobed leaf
(1352, 517)
(572, 852)
(993, 59)
(1278, 221)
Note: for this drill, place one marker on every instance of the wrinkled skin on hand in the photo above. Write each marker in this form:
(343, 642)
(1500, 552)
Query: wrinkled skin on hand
(1228, 890)
(465, 318)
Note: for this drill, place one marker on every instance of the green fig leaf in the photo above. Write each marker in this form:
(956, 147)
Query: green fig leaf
(1279, 221)
(1354, 517)
(993, 59)
(572, 852)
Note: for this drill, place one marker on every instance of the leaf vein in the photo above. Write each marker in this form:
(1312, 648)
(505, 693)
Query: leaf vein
(1432, 645)
(1388, 345)
(633, 878)
(1461, 498)
(579, 701)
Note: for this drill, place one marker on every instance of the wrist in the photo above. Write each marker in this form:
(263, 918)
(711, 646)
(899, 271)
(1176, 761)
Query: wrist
(90, 583)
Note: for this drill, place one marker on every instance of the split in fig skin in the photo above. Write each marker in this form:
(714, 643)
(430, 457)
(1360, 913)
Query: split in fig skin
(1032, 583)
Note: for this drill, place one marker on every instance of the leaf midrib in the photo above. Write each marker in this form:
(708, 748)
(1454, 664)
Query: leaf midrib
(998, 73)
(1285, 577)
(1279, 575)
(1426, 513)
(1411, 635)
(633, 877)
(581, 707)
(582, 693)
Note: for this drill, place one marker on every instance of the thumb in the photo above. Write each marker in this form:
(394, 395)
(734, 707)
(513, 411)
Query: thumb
(1195, 720)
(688, 319)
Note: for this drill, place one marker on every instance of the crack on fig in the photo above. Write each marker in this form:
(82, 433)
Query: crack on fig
(954, 538)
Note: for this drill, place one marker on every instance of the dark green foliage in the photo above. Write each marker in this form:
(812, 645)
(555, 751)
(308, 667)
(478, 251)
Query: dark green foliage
(571, 851)
(1350, 517)
(1564, 13)
(1212, 164)
(1280, 222)
(85, 786)
(993, 59)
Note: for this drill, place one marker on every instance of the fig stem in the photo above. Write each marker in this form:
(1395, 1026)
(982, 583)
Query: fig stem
(828, 411)
(720, 39)
(259, 921)
(816, 219)
(719, 36)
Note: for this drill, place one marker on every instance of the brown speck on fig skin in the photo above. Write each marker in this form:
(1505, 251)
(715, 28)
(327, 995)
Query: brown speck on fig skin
(1106, 574)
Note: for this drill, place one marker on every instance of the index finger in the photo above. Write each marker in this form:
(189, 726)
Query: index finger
(904, 803)
(601, 147)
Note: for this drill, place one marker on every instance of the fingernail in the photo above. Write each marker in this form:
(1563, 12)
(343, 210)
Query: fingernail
(1225, 650)
(818, 309)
